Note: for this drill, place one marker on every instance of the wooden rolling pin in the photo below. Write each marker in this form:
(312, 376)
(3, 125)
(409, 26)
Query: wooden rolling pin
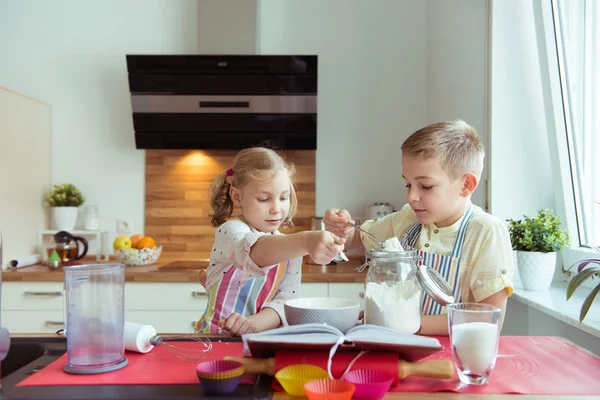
(439, 369)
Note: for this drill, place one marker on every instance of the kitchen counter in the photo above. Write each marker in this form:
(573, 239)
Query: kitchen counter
(166, 270)
(55, 346)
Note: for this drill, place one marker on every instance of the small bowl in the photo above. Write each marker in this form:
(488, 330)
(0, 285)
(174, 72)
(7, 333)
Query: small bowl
(370, 384)
(136, 257)
(337, 312)
(329, 389)
(292, 378)
(227, 385)
(219, 369)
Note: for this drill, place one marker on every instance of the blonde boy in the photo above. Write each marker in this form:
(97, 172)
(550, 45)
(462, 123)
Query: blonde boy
(441, 166)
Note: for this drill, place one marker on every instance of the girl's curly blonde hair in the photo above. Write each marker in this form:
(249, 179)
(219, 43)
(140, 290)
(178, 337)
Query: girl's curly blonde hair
(258, 163)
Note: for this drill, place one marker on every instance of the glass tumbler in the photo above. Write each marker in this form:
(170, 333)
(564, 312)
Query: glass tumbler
(474, 334)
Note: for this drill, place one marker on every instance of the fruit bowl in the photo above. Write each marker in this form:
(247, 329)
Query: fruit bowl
(144, 256)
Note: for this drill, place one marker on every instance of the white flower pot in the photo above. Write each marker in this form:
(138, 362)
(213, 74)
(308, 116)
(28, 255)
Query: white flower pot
(536, 269)
(64, 218)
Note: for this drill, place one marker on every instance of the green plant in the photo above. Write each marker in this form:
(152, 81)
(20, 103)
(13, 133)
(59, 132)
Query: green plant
(541, 233)
(65, 195)
(583, 274)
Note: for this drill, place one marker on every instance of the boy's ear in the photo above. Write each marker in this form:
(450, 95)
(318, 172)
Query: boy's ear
(235, 195)
(470, 182)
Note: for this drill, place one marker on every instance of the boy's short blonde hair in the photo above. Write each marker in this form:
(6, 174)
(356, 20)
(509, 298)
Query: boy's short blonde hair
(455, 144)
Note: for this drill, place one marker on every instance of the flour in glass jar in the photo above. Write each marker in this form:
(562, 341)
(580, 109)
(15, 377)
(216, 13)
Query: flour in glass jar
(396, 306)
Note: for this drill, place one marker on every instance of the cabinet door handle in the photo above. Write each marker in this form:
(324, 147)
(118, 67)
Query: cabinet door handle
(198, 294)
(45, 294)
(54, 323)
(361, 295)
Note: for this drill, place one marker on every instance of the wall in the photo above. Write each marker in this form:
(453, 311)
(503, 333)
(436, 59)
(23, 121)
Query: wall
(24, 174)
(520, 172)
(457, 68)
(372, 89)
(227, 26)
(71, 54)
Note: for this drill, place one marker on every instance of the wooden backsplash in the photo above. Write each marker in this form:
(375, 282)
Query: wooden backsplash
(176, 201)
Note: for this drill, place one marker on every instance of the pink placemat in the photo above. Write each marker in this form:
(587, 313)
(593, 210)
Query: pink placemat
(525, 365)
(158, 367)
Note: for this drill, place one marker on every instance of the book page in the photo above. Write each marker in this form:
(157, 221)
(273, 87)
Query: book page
(379, 334)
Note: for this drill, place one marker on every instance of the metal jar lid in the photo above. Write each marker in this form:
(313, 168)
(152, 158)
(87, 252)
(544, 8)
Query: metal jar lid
(435, 285)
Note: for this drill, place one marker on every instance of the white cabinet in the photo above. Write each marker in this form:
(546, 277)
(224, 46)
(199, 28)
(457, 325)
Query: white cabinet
(313, 290)
(168, 307)
(38, 307)
(353, 291)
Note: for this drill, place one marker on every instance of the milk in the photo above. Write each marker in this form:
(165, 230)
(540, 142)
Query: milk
(475, 345)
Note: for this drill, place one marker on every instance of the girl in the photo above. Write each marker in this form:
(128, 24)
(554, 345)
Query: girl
(254, 268)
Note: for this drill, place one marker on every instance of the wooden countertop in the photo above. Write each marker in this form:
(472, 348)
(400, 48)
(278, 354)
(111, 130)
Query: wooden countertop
(166, 270)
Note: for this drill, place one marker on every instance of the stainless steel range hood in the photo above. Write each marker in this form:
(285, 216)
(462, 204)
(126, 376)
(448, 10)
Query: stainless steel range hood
(223, 102)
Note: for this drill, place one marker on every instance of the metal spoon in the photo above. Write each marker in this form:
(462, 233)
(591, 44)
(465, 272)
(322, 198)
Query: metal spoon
(366, 233)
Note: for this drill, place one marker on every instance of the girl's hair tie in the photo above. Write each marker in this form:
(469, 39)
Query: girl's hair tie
(229, 172)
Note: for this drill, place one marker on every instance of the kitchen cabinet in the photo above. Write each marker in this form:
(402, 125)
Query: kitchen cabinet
(37, 307)
(171, 307)
(353, 291)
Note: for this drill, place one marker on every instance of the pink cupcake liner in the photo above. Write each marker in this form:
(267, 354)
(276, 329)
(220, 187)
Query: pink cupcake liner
(370, 384)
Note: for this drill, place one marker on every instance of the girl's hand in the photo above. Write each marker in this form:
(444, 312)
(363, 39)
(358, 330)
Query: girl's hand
(336, 222)
(237, 325)
(323, 246)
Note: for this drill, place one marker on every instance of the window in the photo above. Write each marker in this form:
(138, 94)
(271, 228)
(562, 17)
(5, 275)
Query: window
(577, 38)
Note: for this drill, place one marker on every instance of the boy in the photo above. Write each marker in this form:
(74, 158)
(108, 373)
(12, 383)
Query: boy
(441, 166)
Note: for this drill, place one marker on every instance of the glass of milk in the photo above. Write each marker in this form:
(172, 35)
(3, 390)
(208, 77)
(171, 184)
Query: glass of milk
(474, 334)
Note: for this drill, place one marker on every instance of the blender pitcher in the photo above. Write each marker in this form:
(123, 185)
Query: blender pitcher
(95, 318)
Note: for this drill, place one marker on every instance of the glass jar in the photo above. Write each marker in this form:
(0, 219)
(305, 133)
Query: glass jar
(395, 287)
(91, 220)
(393, 294)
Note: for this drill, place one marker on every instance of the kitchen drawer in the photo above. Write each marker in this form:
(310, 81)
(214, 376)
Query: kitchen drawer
(32, 296)
(166, 321)
(32, 321)
(313, 290)
(165, 296)
(353, 291)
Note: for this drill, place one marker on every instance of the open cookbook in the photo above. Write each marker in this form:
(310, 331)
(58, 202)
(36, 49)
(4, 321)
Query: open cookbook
(312, 337)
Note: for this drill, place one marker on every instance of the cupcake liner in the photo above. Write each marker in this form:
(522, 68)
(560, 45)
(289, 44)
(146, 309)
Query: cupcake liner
(293, 377)
(220, 385)
(216, 369)
(370, 384)
(329, 389)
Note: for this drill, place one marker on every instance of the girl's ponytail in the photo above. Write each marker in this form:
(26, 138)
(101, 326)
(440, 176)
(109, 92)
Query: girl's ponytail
(220, 201)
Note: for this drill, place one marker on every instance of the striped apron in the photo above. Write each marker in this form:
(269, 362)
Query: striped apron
(446, 266)
(228, 296)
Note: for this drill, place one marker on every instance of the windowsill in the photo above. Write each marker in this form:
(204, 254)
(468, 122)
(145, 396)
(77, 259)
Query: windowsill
(554, 303)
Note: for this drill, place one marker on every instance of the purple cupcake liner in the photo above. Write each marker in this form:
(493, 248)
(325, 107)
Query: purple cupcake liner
(220, 385)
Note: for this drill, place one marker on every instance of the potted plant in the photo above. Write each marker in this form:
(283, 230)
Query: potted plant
(583, 274)
(536, 241)
(64, 201)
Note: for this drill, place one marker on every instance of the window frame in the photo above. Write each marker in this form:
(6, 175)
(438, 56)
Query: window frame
(559, 123)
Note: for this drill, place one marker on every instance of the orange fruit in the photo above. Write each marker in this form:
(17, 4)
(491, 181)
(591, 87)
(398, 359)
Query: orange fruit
(135, 239)
(146, 243)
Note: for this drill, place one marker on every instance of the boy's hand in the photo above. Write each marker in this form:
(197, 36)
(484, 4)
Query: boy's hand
(336, 222)
(323, 246)
(237, 325)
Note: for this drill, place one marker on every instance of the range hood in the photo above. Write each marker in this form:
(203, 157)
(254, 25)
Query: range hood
(223, 101)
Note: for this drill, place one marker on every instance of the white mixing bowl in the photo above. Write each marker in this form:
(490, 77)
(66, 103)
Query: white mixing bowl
(337, 312)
